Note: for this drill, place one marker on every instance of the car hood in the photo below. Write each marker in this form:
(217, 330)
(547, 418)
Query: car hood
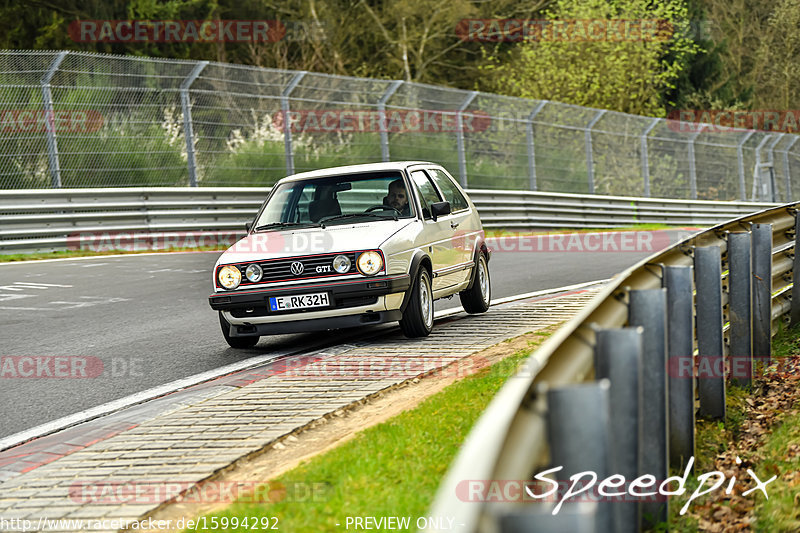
(313, 240)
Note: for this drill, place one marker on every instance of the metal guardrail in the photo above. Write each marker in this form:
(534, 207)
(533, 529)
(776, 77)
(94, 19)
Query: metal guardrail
(613, 390)
(52, 219)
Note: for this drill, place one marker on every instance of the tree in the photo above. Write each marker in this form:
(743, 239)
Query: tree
(623, 74)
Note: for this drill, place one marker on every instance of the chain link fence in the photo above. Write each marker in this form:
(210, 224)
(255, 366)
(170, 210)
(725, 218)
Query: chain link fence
(74, 119)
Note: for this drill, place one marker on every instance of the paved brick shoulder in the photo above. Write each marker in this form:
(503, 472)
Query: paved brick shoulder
(124, 465)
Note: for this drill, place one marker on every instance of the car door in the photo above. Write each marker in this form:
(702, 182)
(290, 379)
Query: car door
(437, 235)
(461, 220)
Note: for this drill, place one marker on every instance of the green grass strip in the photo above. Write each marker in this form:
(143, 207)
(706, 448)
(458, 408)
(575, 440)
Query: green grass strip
(391, 469)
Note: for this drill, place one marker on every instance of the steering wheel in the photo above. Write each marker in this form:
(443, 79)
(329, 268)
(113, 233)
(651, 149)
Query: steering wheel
(382, 207)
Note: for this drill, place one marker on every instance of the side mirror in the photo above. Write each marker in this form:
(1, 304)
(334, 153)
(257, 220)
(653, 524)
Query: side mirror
(440, 208)
(248, 226)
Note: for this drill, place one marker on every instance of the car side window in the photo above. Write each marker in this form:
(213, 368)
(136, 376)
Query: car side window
(450, 191)
(427, 192)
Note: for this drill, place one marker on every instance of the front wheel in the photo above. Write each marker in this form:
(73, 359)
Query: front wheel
(417, 319)
(476, 299)
(235, 342)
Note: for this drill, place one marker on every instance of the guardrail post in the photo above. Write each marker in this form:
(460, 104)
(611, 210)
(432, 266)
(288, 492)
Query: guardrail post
(692, 162)
(795, 309)
(462, 156)
(740, 160)
(740, 310)
(188, 131)
(618, 355)
(47, 98)
(382, 117)
(786, 171)
(578, 414)
(710, 344)
(645, 160)
(287, 123)
(648, 309)
(680, 350)
(762, 295)
(531, 146)
(589, 154)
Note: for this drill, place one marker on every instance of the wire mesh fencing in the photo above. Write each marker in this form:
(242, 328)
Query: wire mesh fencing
(75, 119)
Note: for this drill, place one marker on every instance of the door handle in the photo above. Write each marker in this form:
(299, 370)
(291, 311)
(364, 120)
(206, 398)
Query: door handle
(454, 225)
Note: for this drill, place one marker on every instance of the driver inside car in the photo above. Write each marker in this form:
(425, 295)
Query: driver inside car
(398, 197)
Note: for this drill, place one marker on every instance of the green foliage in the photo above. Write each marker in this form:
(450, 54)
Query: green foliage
(624, 75)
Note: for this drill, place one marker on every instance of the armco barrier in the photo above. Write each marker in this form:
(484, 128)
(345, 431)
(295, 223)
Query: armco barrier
(613, 391)
(45, 219)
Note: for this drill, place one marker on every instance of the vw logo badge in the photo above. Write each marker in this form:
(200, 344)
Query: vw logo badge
(297, 268)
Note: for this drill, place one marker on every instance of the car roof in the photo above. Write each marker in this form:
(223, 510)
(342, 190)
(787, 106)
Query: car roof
(354, 169)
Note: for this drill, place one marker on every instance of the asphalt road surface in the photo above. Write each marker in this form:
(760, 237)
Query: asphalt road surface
(140, 321)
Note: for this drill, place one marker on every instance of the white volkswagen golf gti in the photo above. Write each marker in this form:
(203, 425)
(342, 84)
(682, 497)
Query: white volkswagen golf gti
(351, 246)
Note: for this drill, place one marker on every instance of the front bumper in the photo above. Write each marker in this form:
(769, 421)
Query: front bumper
(343, 295)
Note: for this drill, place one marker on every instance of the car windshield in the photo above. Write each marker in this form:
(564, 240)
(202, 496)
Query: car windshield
(337, 200)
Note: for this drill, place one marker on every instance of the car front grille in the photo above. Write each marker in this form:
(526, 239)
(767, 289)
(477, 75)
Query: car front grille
(281, 269)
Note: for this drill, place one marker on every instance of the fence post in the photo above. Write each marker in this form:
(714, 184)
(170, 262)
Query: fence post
(762, 294)
(531, 147)
(578, 414)
(188, 130)
(757, 170)
(589, 154)
(50, 128)
(692, 162)
(740, 159)
(287, 123)
(739, 303)
(618, 357)
(382, 117)
(680, 347)
(645, 159)
(462, 158)
(773, 183)
(710, 344)
(648, 309)
(786, 171)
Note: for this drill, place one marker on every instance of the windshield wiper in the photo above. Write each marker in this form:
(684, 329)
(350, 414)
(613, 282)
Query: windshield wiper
(273, 225)
(354, 215)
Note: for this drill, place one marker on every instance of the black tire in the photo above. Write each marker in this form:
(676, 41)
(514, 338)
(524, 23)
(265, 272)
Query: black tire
(417, 319)
(477, 298)
(236, 342)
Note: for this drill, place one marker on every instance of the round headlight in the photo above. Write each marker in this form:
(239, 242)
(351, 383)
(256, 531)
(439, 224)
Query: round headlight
(370, 263)
(254, 273)
(341, 264)
(229, 277)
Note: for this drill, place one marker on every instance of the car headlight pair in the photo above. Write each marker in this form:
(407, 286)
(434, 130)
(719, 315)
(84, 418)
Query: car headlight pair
(368, 263)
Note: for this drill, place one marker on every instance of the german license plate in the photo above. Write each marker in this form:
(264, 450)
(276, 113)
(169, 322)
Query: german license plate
(300, 301)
